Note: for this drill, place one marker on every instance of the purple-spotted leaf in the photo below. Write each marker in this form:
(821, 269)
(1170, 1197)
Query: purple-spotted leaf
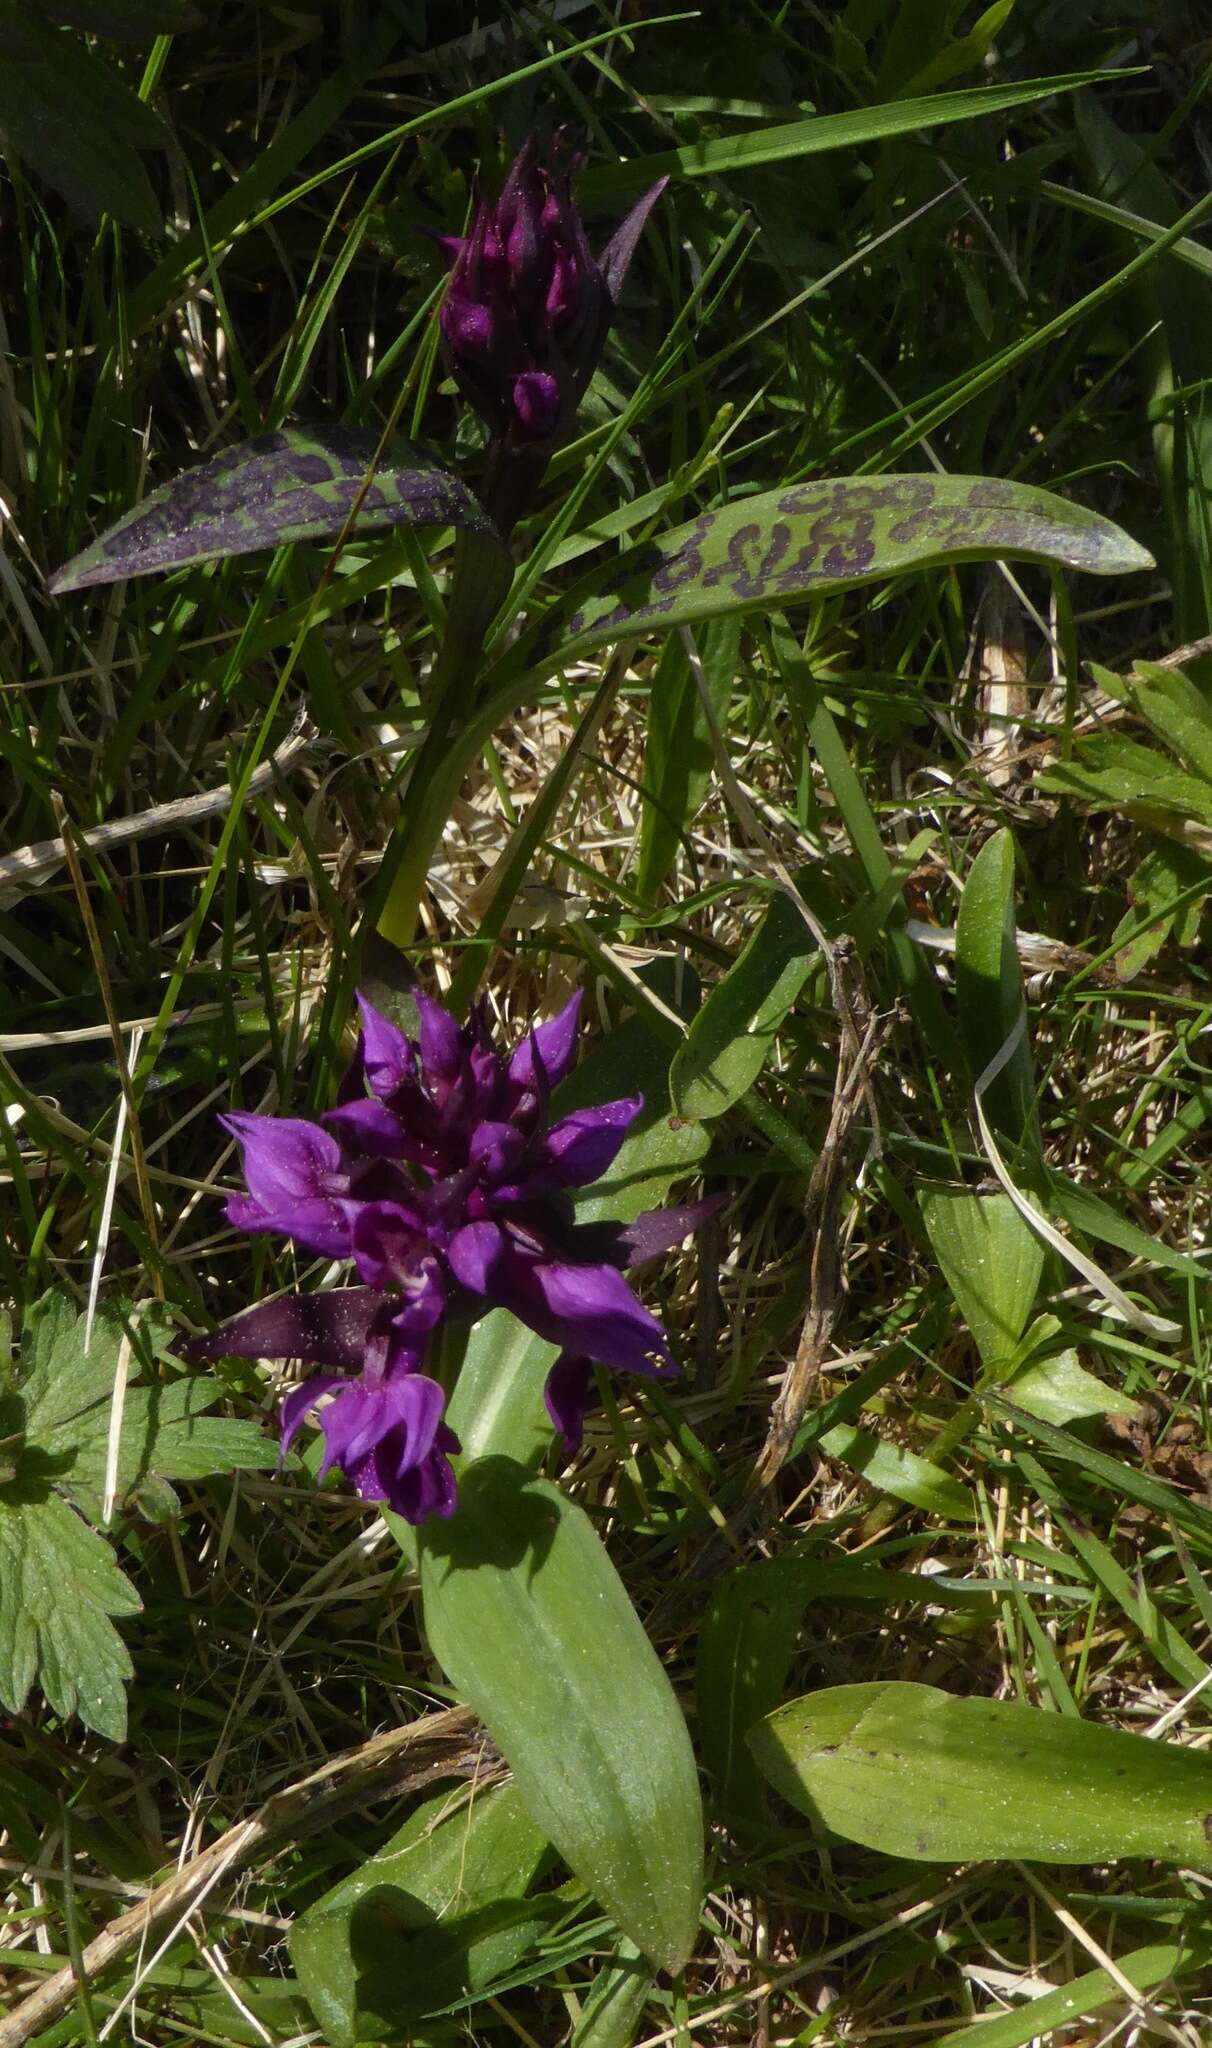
(302, 483)
(763, 553)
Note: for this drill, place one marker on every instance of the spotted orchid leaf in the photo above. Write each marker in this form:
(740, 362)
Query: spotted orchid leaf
(813, 539)
(301, 483)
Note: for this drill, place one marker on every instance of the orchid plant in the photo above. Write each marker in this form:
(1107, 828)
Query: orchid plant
(448, 1175)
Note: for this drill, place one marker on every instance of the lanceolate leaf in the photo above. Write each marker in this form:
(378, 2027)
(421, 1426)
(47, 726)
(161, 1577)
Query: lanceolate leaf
(913, 1772)
(301, 483)
(730, 1040)
(992, 1262)
(767, 552)
(531, 1623)
(76, 122)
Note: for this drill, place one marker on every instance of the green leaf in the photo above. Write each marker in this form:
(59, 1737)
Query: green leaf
(67, 1393)
(610, 2013)
(892, 1469)
(1061, 1390)
(861, 125)
(76, 123)
(1111, 771)
(764, 553)
(731, 1038)
(1146, 1969)
(301, 483)
(991, 1260)
(990, 990)
(912, 1772)
(59, 1586)
(531, 1623)
(678, 751)
(437, 1914)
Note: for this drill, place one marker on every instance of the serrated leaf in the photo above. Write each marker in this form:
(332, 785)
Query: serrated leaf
(764, 553)
(59, 1585)
(301, 483)
(532, 1625)
(67, 1395)
(992, 1262)
(436, 1914)
(731, 1038)
(910, 1771)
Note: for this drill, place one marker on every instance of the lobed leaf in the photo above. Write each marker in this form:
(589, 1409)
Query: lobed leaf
(531, 1623)
(301, 483)
(767, 552)
(910, 1771)
(59, 1585)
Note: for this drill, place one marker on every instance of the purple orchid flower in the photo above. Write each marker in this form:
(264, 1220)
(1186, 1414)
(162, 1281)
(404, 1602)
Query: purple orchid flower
(528, 307)
(444, 1180)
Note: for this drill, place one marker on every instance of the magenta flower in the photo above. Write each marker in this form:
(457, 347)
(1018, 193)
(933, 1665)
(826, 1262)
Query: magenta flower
(441, 1176)
(528, 307)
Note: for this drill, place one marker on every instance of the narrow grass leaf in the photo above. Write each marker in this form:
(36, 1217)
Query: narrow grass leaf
(529, 1619)
(1146, 1969)
(913, 1772)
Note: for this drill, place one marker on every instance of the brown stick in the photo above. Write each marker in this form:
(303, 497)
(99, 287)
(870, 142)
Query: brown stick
(345, 1782)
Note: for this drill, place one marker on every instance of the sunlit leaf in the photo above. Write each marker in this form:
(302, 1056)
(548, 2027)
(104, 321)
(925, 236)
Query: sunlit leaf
(531, 1623)
(302, 483)
(809, 539)
(913, 1772)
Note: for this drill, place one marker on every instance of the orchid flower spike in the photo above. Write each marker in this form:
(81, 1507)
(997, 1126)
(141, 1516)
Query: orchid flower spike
(443, 1177)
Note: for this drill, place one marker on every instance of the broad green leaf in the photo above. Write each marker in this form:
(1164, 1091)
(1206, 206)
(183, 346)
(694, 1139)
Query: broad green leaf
(912, 1772)
(990, 990)
(1061, 1390)
(610, 2012)
(75, 122)
(991, 1260)
(678, 751)
(1169, 701)
(59, 1586)
(1146, 1969)
(1112, 771)
(438, 1913)
(66, 1393)
(892, 1469)
(301, 483)
(807, 540)
(531, 1623)
(730, 1040)
(862, 125)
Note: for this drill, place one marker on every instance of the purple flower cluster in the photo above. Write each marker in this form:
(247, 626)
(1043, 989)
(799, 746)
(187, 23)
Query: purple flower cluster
(528, 308)
(442, 1177)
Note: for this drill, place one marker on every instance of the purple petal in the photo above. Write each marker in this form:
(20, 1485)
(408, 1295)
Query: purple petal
(429, 1488)
(441, 1043)
(658, 1230)
(536, 403)
(295, 1407)
(583, 1146)
(566, 1395)
(286, 1159)
(615, 258)
(543, 1058)
(332, 1328)
(368, 1126)
(586, 1309)
(319, 1226)
(386, 1053)
(496, 1149)
(392, 1444)
(388, 1240)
